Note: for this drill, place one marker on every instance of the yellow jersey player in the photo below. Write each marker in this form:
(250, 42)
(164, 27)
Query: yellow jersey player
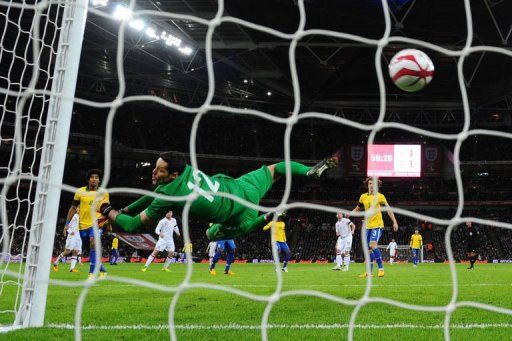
(115, 250)
(280, 237)
(416, 244)
(84, 199)
(374, 224)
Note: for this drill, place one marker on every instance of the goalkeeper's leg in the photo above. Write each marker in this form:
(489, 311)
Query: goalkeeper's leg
(279, 169)
(222, 232)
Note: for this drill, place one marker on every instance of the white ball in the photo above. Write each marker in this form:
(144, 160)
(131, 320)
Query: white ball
(411, 70)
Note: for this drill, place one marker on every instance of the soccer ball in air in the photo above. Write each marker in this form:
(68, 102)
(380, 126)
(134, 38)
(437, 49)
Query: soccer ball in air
(411, 70)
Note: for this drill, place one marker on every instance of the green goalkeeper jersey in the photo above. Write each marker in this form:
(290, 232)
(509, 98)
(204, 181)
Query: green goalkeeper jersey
(216, 209)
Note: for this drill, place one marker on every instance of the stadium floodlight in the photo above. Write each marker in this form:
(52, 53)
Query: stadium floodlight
(172, 40)
(99, 3)
(122, 13)
(137, 24)
(151, 33)
(185, 50)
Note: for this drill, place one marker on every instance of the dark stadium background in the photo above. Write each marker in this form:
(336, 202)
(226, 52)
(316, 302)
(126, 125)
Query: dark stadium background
(336, 77)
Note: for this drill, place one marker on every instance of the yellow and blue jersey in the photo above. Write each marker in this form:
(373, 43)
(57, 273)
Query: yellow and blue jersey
(366, 201)
(416, 241)
(279, 231)
(115, 243)
(84, 200)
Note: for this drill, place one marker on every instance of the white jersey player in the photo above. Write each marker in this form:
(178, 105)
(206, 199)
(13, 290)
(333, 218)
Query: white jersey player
(344, 231)
(165, 231)
(73, 243)
(392, 248)
(212, 247)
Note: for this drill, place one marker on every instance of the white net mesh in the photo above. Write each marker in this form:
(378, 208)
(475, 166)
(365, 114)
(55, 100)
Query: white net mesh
(403, 253)
(207, 106)
(27, 53)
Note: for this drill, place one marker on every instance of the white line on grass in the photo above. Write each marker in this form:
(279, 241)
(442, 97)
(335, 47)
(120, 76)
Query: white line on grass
(347, 285)
(235, 326)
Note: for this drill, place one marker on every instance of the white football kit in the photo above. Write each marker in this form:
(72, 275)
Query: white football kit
(167, 227)
(344, 242)
(392, 249)
(73, 240)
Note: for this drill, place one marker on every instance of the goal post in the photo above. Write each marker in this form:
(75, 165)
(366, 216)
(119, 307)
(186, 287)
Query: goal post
(52, 156)
(404, 253)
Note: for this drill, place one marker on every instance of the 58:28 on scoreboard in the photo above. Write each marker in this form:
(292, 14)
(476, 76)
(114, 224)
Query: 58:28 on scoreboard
(394, 160)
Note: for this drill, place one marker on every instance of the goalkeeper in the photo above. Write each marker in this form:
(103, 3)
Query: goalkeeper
(174, 177)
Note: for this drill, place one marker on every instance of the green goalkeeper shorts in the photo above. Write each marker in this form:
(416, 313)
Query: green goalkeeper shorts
(252, 187)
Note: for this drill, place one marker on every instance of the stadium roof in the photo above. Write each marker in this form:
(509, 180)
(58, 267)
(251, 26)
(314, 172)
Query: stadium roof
(336, 76)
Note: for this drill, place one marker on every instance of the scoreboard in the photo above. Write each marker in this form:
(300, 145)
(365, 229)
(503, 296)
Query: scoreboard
(394, 160)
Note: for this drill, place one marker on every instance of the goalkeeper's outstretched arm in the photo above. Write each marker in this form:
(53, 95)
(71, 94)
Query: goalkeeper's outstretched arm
(124, 221)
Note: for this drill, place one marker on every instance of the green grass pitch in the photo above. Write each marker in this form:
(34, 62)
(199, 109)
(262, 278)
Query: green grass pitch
(125, 311)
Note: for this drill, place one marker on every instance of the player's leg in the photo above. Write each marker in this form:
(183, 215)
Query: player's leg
(74, 255)
(338, 255)
(210, 256)
(279, 169)
(115, 256)
(249, 222)
(92, 254)
(370, 240)
(230, 248)
(374, 241)
(252, 187)
(370, 251)
(472, 259)
(84, 238)
(158, 247)
(59, 257)
(346, 253)
(287, 255)
(225, 232)
(170, 257)
(278, 247)
(216, 257)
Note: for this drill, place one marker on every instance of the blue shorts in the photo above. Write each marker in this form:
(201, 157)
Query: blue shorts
(373, 235)
(282, 246)
(228, 245)
(115, 253)
(88, 233)
(416, 252)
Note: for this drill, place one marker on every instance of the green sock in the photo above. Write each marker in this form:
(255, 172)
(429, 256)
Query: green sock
(297, 168)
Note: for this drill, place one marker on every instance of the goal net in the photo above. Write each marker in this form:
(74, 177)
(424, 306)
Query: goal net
(41, 41)
(39, 53)
(403, 253)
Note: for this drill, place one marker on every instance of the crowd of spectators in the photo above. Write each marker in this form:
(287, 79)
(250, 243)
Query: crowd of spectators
(310, 233)
(311, 236)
